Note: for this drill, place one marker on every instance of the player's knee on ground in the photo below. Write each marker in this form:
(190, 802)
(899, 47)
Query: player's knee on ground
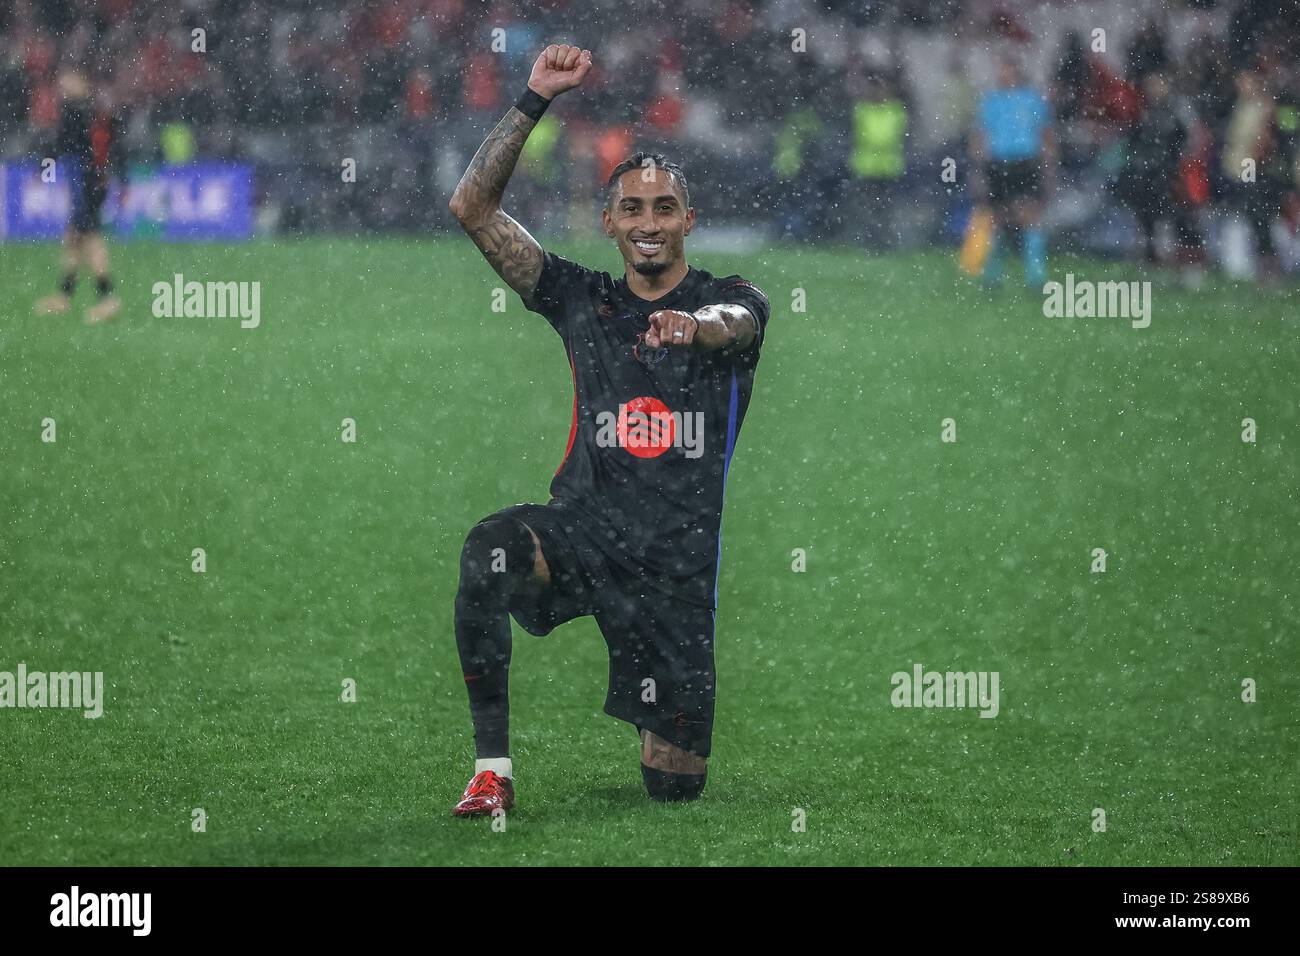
(671, 773)
(497, 556)
(672, 787)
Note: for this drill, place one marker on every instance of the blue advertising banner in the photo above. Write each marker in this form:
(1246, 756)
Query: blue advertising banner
(205, 200)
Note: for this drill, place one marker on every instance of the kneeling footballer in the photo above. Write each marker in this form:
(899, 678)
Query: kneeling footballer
(663, 361)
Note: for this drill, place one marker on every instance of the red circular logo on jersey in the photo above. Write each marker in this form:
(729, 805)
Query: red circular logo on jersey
(646, 427)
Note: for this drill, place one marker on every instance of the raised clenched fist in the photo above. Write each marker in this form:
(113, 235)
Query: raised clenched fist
(558, 69)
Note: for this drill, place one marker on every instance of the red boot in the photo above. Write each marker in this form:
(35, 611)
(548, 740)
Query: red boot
(488, 791)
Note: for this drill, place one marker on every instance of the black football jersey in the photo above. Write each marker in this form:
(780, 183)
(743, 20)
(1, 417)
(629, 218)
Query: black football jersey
(653, 430)
(90, 140)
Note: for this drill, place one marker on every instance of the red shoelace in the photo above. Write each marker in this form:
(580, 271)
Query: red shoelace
(486, 782)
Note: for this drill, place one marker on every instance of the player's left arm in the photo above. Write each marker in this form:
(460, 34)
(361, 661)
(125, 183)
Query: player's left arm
(713, 327)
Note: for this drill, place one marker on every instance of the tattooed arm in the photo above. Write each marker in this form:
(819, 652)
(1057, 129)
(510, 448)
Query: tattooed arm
(476, 203)
(712, 327)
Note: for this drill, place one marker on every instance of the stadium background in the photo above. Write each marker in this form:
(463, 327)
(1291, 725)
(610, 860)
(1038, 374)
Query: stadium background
(777, 145)
(331, 561)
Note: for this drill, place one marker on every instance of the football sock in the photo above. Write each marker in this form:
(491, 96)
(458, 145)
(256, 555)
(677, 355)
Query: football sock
(69, 284)
(992, 273)
(104, 286)
(497, 559)
(1035, 257)
(501, 766)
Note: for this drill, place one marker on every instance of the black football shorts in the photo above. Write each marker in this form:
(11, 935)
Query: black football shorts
(88, 198)
(661, 675)
(1009, 180)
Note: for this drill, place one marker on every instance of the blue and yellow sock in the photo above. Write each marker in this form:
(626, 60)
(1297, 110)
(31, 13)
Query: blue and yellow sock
(991, 274)
(1035, 258)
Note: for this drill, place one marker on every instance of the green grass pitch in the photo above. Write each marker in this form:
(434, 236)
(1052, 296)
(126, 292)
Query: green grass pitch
(325, 561)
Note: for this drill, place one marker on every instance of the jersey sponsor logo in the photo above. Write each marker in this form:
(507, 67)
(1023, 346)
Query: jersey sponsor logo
(646, 428)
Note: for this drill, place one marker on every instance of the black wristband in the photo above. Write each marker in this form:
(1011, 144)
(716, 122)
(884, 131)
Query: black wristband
(532, 104)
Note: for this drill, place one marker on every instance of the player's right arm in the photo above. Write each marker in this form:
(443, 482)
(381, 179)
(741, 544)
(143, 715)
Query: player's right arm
(476, 203)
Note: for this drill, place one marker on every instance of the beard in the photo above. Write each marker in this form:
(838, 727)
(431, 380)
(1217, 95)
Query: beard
(650, 268)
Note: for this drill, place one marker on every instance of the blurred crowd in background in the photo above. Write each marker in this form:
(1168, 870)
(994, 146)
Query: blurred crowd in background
(804, 119)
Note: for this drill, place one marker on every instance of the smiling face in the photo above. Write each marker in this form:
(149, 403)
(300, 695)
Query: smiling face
(647, 216)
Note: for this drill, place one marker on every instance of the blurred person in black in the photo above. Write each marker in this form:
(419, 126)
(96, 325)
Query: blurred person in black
(805, 172)
(1150, 183)
(87, 145)
(1253, 167)
(1147, 53)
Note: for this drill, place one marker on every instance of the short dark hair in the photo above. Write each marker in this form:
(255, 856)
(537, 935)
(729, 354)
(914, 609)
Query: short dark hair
(642, 159)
